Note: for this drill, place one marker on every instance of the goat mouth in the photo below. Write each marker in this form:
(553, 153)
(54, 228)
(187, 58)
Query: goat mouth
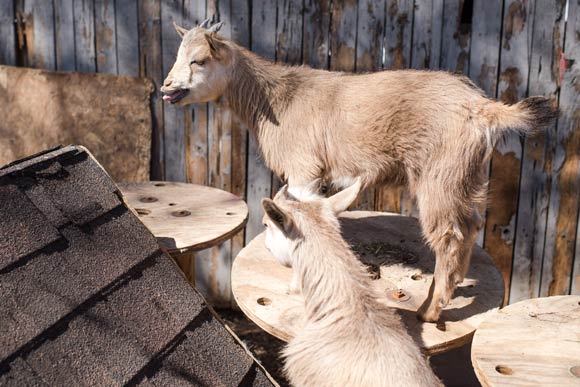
(176, 96)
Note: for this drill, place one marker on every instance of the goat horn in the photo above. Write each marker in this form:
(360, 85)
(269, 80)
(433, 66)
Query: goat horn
(205, 23)
(216, 27)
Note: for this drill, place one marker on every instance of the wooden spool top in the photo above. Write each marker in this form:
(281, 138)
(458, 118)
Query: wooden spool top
(530, 343)
(260, 283)
(186, 217)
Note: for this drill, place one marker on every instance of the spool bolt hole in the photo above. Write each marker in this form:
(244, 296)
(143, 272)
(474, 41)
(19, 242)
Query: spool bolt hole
(264, 301)
(148, 199)
(417, 277)
(181, 214)
(142, 211)
(504, 370)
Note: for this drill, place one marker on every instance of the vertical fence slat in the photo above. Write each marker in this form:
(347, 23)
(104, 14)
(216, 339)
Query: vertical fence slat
(64, 35)
(219, 169)
(105, 36)
(484, 59)
(368, 57)
(288, 44)
(7, 36)
(534, 198)
(455, 37)
(85, 55)
(39, 31)
(343, 36)
(237, 18)
(315, 45)
(425, 54)
(565, 190)
(259, 183)
(289, 32)
(506, 159)
(173, 117)
(127, 35)
(397, 55)
(150, 66)
(196, 116)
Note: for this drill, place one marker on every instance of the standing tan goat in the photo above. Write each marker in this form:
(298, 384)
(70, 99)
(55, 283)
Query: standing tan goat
(349, 337)
(432, 131)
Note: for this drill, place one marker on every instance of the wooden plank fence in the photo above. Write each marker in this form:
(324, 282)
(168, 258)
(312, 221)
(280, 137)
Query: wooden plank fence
(510, 48)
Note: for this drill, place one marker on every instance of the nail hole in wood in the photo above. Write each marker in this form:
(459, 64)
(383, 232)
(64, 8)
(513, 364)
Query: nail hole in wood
(181, 214)
(160, 185)
(230, 213)
(264, 301)
(504, 370)
(171, 204)
(148, 199)
(142, 211)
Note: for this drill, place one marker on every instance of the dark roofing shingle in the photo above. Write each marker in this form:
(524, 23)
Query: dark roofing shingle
(88, 298)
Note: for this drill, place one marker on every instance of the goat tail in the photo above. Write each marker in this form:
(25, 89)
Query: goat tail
(527, 117)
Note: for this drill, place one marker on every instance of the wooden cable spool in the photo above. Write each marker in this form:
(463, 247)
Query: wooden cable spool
(186, 218)
(530, 343)
(393, 243)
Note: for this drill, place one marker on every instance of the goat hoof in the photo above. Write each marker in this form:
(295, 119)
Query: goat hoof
(428, 314)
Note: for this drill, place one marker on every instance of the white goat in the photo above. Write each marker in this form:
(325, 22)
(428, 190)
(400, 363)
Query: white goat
(349, 338)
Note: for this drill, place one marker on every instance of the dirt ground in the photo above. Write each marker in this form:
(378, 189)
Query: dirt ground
(265, 347)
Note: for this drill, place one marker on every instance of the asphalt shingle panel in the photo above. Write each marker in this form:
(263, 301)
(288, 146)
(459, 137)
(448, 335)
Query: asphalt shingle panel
(98, 303)
(29, 229)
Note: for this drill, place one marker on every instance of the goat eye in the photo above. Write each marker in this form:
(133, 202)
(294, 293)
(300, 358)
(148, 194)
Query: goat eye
(197, 62)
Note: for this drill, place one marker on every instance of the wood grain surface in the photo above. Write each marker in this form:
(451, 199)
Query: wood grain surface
(186, 217)
(260, 283)
(530, 343)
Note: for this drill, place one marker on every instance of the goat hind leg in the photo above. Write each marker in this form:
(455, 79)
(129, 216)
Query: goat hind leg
(453, 252)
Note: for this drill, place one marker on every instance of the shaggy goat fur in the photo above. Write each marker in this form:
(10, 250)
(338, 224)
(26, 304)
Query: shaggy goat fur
(432, 131)
(349, 337)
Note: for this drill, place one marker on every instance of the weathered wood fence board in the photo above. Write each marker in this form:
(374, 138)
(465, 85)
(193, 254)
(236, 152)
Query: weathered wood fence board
(484, 56)
(510, 48)
(565, 190)
(534, 194)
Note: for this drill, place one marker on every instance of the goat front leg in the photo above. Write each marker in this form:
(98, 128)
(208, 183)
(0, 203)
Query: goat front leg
(295, 285)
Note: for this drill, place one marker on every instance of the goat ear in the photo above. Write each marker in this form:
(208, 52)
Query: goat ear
(216, 27)
(214, 44)
(278, 216)
(340, 201)
(180, 30)
(284, 194)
